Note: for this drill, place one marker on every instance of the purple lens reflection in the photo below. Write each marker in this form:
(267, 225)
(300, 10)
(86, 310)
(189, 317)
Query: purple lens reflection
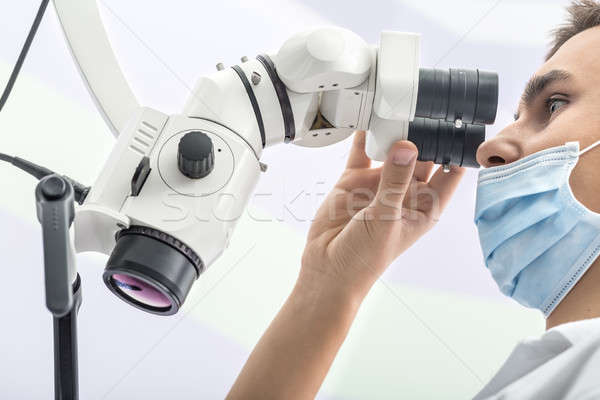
(141, 291)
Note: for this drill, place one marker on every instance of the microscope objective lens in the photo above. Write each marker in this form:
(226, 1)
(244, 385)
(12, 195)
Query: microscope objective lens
(140, 291)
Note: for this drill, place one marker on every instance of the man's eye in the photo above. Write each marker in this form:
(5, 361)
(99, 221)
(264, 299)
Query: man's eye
(553, 104)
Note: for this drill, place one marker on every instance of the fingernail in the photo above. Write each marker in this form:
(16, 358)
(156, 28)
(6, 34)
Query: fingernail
(403, 156)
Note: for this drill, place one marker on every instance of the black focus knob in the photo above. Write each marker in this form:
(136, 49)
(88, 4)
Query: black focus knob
(195, 155)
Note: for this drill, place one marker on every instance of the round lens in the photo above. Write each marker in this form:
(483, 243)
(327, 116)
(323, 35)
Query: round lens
(150, 270)
(140, 291)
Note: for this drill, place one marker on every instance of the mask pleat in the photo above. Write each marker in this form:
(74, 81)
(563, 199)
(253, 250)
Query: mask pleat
(524, 249)
(508, 219)
(499, 192)
(540, 279)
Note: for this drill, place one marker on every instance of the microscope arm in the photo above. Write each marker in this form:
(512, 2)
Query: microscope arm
(91, 50)
(328, 74)
(98, 66)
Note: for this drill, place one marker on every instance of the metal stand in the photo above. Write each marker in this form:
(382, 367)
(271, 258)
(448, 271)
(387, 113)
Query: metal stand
(55, 211)
(66, 382)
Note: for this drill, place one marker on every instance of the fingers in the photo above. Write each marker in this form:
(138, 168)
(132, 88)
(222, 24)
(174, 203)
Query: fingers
(358, 158)
(396, 178)
(445, 183)
(423, 170)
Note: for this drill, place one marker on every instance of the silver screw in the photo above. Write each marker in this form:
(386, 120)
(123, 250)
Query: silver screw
(446, 168)
(244, 59)
(220, 67)
(458, 123)
(255, 78)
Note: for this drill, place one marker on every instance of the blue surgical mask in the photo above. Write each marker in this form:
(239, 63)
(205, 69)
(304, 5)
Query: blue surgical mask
(537, 239)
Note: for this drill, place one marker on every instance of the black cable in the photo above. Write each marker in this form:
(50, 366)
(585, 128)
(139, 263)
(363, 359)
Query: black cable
(80, 191)
(6, 157)
(38, 171)
(23, 54)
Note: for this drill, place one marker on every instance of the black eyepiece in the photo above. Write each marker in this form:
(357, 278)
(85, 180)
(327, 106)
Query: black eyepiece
(151, 270)
(468, 95)
(443, 143)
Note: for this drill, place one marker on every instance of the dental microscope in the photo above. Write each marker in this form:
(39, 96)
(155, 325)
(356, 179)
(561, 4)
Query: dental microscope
(167, 200)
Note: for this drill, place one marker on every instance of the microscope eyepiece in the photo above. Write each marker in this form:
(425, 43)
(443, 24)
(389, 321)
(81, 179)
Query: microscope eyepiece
(443, 143)
(468, 95)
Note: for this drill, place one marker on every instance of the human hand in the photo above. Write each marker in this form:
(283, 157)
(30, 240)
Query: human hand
(372, 216)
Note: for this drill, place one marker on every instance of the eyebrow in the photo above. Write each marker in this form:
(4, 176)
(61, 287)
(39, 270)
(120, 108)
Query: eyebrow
(538, 83)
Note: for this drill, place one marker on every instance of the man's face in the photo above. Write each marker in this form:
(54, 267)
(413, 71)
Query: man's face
(560, 104)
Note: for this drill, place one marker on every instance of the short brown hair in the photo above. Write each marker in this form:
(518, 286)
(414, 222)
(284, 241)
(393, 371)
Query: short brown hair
(583, 14)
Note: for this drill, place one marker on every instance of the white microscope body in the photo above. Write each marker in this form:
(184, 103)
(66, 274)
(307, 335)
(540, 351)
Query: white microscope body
(328, 70)
(319, 88)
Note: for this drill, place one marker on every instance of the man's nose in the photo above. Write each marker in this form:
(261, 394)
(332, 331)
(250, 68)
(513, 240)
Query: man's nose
(498, 151)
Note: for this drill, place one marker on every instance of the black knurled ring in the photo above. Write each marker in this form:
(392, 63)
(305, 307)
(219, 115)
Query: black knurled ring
(166, 239)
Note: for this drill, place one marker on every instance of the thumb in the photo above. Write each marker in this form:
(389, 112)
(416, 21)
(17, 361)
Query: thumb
(396, 177)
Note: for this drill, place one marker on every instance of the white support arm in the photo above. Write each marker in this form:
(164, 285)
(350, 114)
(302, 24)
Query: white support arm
(91, 50)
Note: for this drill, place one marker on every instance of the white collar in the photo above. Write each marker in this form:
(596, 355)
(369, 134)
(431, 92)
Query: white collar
(576, 331)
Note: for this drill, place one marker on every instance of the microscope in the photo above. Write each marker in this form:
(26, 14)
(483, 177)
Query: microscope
(166, 202)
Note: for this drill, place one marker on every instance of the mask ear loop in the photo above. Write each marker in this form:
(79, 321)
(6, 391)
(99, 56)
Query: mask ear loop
(590, 147)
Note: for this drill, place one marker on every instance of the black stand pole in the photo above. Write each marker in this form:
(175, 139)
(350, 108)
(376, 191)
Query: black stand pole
(65, 350)
(55, 210)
